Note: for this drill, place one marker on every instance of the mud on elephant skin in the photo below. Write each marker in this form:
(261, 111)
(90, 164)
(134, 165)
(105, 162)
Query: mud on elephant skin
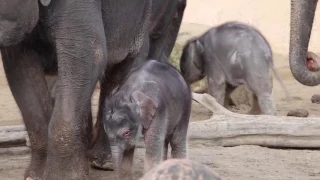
(154, 101)
(59, 132)
(163, 30)
(180, 169)
(230, 55)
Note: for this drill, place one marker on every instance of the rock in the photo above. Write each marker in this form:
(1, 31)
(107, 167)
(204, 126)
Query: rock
(180, 169)
(298, 113)
(315, 98)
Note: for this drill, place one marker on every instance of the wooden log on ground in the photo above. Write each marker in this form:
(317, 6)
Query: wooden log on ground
(226, 128)
(12, 135)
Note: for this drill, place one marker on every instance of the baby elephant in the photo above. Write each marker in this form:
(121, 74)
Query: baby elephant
(155, 100)
(231, 55)
(181, 169)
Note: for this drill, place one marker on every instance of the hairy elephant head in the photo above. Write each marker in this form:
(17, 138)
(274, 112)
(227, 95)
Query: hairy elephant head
(18, 18)
(192, 61)
(302, 15)
(124, 121)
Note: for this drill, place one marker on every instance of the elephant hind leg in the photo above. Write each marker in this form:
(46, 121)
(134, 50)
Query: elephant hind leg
(178, 139)
(28, 85)
(266, 104)
(263, 100)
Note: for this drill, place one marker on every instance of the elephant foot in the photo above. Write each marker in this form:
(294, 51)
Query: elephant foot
(64, 164)
(36, 167)
(74, 170)
(101, 158)
(102, 164)
(33, 174)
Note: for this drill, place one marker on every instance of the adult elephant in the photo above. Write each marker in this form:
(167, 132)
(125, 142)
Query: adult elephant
(74, 39)
(302, 16)
(163, 29)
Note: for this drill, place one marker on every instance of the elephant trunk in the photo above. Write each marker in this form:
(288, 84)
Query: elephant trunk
(302, 15)
(117, 155)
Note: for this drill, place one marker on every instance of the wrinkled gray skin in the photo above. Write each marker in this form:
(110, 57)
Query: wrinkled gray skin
(155, 101)
(230, 55)
(73, 39)
(163, 29)
(301, 21)
(186, 169)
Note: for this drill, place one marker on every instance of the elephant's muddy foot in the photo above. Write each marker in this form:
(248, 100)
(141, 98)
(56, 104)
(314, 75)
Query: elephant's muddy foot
(67, 171)
(100, 158)
(36, 167)
(103, 164)
(33, 174)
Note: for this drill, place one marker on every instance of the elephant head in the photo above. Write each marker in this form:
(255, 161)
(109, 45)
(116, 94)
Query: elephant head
(302, 15)
(18, 18)
(192, 61)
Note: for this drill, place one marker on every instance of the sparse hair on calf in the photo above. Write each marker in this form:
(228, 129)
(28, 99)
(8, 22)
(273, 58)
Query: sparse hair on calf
(180, 169)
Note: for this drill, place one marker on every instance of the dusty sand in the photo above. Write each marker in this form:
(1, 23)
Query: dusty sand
(242, 162)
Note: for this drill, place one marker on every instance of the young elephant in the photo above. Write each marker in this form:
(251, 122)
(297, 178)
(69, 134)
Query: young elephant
(173, 169)
(230, 55)
(155, 100)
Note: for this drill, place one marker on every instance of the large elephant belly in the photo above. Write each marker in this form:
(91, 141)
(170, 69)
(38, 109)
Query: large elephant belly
(125, 26)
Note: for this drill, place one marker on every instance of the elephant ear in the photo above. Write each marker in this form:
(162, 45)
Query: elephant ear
(147, 107)
(198, 61)
(45, 2)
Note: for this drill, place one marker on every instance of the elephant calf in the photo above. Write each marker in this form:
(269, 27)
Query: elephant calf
(230, 55)
(173, 169)
(155, 100)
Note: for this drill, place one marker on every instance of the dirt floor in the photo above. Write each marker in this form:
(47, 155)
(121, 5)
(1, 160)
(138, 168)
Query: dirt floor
(241, 163)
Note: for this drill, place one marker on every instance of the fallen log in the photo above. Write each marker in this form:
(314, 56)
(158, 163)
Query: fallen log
(13, 135)
(226, 128)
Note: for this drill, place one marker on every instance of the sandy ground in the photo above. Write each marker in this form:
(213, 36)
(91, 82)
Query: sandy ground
(242, 162)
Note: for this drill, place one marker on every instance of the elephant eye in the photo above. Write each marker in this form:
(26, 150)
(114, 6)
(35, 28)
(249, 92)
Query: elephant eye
(127, 134)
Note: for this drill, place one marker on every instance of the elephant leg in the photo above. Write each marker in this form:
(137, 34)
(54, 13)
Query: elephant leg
(262, 88)
(217, 86)
(154, 149)
(82, 57)
(51, 84)
(127, 163)
(161, 48)
(27, 83)
(100, 153)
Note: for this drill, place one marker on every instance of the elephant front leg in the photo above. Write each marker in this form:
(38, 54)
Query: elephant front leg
(81, 51)
(154, 143)
(26, 79)
(100, 153)
(127, 164)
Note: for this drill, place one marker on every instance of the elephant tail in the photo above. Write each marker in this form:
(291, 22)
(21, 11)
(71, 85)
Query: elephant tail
(276, 74)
